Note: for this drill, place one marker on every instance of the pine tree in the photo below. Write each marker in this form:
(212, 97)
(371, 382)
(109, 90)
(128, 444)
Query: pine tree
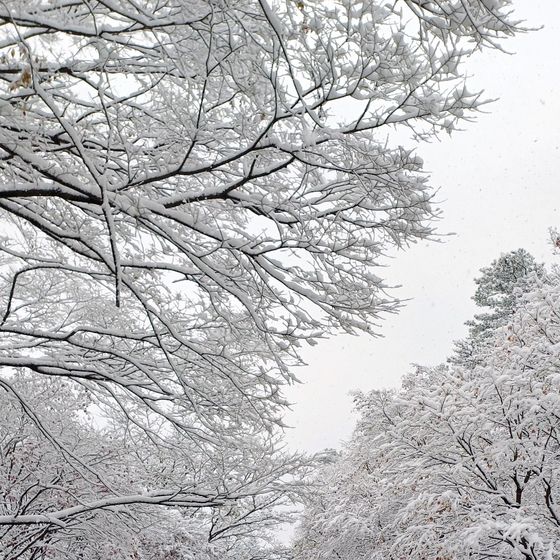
(497, 294)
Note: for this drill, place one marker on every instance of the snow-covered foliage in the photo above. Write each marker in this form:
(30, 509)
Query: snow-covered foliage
(190, 189)
(498, 292)
(461, 462)
(71, 489)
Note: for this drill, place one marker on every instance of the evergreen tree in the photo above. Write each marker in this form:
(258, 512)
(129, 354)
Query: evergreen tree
(497, 294)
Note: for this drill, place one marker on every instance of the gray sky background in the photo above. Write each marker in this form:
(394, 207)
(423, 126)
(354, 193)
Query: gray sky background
(499, 190)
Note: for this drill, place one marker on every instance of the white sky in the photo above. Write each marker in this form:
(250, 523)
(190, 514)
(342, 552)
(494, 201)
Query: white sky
(499, 190)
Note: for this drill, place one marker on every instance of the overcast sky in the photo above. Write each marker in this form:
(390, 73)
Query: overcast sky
(499, 190)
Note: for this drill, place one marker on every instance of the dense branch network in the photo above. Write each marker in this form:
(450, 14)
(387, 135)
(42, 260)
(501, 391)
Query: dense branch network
(190, 189)
(462, 461)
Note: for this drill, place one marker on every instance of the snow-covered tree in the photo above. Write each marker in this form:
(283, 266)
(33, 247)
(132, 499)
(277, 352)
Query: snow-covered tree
(189, 189)
(461, 463)
(67, 486)
(498, 292)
